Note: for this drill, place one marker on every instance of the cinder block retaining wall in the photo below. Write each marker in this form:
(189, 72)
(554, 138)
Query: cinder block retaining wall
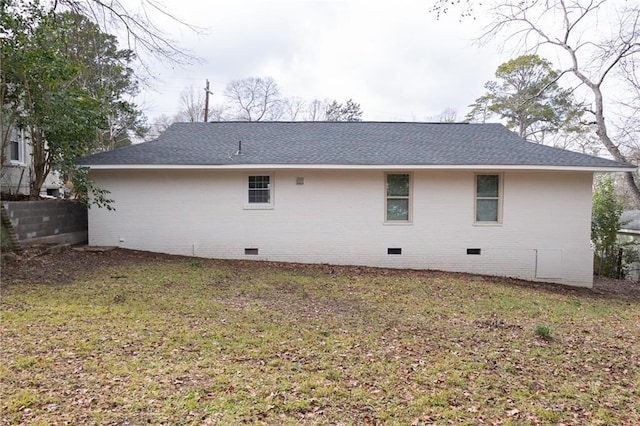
(48, 221)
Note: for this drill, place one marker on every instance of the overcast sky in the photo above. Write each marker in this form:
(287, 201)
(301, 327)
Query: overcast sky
(395, 58)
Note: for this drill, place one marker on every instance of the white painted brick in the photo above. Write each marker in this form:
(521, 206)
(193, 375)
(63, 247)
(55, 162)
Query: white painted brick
(337, 217)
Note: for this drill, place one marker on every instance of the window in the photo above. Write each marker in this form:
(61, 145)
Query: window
(398, 199)
(488, 189)
(259, 191)
(14, 151)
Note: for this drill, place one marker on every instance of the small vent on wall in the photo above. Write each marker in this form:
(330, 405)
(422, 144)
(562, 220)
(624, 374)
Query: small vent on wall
(473, 251)
(394, 250)
(251, 251)
(299, 181)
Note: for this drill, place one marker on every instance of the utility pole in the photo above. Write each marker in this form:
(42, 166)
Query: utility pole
(207, 92)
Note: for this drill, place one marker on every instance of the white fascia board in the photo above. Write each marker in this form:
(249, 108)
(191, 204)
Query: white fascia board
(352, 167)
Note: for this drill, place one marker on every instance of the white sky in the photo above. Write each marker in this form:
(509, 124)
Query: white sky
(395, 58)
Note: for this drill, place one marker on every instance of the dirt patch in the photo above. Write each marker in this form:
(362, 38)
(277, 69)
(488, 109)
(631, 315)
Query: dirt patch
(46, 264)
(14, 197)
(613, 287)
(42, 264)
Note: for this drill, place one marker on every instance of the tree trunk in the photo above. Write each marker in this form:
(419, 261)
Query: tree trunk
(608, 143)
(39, 164)
(633, 186)
(36, 184)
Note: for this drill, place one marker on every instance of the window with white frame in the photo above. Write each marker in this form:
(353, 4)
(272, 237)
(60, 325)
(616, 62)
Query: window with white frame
(488, 198)
(259, 191)
(398, 198)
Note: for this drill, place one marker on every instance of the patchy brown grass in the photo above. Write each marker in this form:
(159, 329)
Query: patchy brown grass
(129, 338)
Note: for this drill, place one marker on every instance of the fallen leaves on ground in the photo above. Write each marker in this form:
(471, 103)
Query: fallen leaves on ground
(125, 337)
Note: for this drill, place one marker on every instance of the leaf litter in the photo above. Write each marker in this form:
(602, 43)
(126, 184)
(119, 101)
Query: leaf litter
(127, 337)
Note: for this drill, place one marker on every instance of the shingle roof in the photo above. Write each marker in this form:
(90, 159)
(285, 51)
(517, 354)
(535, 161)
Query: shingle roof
(343, 143)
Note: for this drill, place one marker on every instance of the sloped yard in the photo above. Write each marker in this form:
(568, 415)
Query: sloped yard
(133, 338)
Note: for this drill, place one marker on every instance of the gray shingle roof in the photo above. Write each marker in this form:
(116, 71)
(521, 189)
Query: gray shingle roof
(343, 143)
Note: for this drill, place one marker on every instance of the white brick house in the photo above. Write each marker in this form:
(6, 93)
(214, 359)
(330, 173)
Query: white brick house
(457, 197)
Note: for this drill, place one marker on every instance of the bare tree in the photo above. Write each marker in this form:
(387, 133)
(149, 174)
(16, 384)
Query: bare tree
(593, 57)
(464, 7)
(316, 110)
(192, 105)
(159, 125)
(254, 99)
(143, 35)
(217, 113)
(293, 108)
(448, 115)
(628, 103)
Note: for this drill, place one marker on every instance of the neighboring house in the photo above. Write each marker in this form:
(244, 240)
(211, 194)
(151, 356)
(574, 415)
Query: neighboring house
(16, 172)
(629, 238)
(456, 197)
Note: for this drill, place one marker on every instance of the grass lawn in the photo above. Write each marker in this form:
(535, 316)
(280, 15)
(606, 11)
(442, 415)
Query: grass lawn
(178, 341)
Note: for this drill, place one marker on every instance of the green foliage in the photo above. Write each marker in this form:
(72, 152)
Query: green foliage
(105, 71)
(64, 82)
(66, 118)
(543, 332)
(86, 191)
(528, 96)
(605, 224)
(59, 115)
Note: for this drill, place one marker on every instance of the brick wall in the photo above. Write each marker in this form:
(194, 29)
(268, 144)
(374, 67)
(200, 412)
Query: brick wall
(49, 221)
(337, 217)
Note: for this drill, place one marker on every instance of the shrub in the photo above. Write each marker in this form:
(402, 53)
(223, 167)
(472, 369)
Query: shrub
(605, 224)
(543, 332)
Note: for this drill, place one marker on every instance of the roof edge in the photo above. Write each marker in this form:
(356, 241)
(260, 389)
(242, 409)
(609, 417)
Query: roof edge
(622, 168)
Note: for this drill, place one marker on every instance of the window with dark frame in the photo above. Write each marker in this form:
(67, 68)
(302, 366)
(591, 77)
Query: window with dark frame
(14, 151)
(259, 189)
